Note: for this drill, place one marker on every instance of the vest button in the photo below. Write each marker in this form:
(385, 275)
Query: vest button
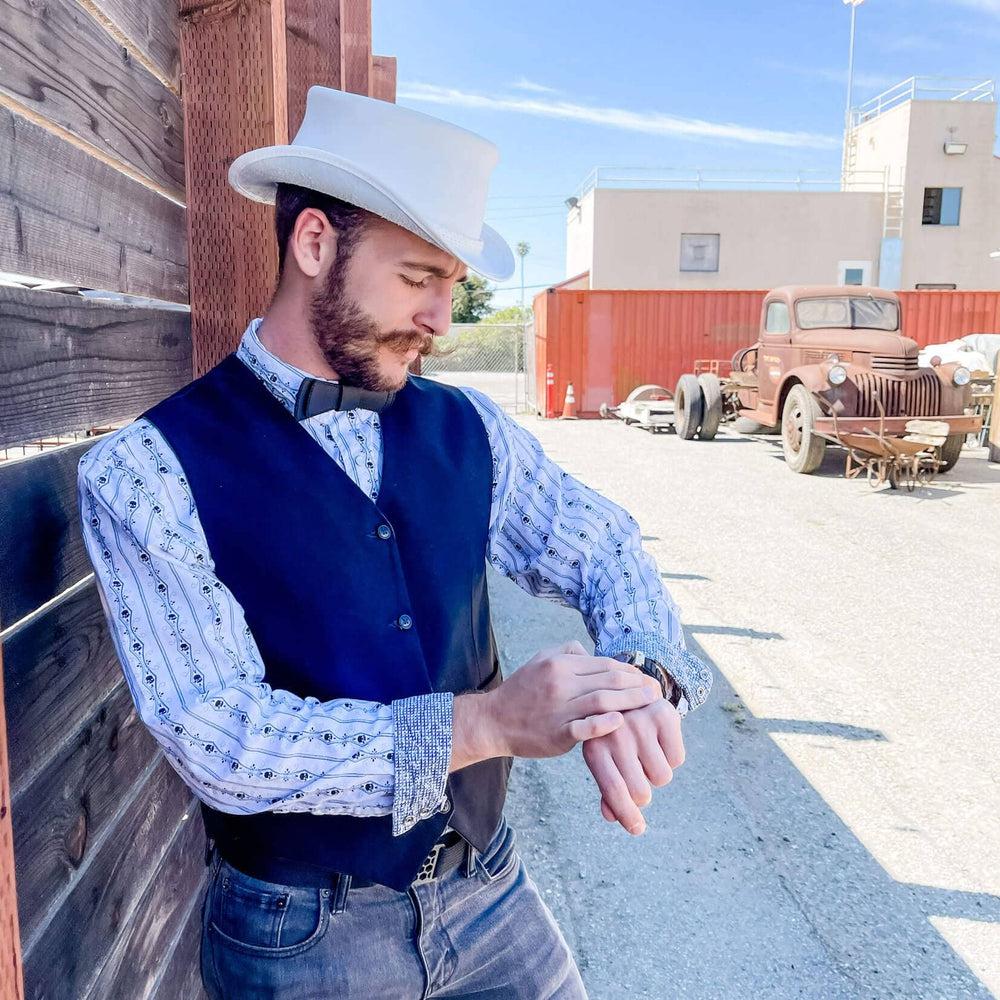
(404, 621)
(384, 532)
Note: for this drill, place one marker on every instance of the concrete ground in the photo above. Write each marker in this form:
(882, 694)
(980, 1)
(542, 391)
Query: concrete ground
(834, 833)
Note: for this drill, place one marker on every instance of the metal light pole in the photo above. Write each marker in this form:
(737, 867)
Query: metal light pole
(522, 252)
(854, 5)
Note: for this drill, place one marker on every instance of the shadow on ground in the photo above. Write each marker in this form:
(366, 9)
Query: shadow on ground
(746, 884)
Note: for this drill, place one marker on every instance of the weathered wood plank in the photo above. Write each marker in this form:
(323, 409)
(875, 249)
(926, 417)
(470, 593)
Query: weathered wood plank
(66, 216)
(384, 78)
(152, 28)
(41, 546)
(62, 961)
(57, 668)
(11, 978)
(146, 944)
(67, 363)
(356, 45)
(61, 65)
(181, 979)
(69, 805)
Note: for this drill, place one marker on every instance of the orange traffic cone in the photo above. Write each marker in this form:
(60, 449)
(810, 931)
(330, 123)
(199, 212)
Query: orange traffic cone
(569, 406)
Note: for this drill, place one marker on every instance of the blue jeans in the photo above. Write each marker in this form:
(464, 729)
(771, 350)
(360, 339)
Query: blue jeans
(481, 931)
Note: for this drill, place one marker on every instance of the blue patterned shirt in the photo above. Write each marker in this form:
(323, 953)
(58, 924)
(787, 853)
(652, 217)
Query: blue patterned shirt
(196, 674)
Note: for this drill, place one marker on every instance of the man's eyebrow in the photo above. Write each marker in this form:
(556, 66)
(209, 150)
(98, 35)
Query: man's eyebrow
(438, 272)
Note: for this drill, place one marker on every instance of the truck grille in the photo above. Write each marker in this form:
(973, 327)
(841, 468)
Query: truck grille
(918, 397)
(884, 363)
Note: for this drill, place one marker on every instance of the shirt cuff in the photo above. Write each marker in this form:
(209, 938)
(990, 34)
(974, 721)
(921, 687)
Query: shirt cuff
(689, 673)
(421, 757)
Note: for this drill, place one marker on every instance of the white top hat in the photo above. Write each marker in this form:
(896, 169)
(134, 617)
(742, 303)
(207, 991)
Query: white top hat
(424, 174)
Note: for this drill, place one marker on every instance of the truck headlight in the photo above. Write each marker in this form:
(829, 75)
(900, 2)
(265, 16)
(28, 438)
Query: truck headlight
(837, 375)
(961, 375)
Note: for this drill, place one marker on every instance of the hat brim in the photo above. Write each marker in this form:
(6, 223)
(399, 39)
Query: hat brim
(257, 173)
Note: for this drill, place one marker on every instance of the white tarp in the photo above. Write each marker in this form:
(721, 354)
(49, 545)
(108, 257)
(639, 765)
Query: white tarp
(975, 352)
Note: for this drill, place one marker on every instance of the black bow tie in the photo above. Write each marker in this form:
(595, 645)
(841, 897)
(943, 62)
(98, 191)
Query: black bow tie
(318, 396)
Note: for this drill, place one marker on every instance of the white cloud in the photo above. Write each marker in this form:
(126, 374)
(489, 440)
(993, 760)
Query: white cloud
(649, 122)
(534, 88)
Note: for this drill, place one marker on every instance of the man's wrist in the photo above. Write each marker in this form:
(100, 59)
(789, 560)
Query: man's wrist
(653, 668)
(476, 734)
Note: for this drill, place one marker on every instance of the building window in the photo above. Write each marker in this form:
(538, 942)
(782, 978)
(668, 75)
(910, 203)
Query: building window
(699, 251)
(778, 319)
(942, 206)
(854, 272)
(938, 286)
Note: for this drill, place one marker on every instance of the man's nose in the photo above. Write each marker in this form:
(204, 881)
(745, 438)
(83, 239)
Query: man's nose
(435, 314)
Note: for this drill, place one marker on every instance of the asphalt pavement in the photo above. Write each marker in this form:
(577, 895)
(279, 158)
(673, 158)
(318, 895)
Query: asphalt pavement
(834, 832)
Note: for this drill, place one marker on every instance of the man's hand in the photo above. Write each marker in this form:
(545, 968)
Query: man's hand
(643, 752)
(559, 698)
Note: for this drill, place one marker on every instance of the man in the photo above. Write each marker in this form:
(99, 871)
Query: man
(292, 554)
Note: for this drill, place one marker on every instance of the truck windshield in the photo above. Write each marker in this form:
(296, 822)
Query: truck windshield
(850, 313)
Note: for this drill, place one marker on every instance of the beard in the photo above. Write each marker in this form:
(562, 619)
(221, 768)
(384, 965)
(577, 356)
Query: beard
(351, 339)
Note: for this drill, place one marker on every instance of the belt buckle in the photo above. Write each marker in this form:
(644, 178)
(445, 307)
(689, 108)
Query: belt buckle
(428, 869)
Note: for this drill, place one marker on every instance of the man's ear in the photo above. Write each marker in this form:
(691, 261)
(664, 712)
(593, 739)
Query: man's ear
(313, 243)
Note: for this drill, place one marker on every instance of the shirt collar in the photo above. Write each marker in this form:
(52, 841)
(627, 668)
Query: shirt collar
(282, 379)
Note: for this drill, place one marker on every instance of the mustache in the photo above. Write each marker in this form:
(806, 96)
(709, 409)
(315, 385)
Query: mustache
(407, 340)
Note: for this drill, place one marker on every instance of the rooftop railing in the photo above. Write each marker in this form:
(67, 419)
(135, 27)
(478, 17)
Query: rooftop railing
(687, 179)
(925, 88)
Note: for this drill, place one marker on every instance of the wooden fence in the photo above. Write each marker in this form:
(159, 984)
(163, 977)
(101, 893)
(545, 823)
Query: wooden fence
(118, 120)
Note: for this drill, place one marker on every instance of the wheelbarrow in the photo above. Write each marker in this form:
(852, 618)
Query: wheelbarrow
(911, 459)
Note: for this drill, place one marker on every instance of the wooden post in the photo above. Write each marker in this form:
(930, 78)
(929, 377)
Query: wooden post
(235, 99)
(11, 976)
(246, 71)
(356, 45)
(312, 35)
(384, 78)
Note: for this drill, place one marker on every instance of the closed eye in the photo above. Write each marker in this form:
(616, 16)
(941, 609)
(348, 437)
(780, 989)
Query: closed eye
(414, 284)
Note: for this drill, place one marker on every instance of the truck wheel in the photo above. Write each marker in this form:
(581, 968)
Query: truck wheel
(711, 393)
(951, 450)
(688, 407)
(803, 447)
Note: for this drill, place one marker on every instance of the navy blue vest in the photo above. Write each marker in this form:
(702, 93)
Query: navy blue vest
(341, 607)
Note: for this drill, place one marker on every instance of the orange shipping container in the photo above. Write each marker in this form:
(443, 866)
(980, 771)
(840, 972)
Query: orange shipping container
(606, 342)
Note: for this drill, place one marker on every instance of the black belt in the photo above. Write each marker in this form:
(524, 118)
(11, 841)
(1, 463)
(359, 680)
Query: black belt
(444, 857)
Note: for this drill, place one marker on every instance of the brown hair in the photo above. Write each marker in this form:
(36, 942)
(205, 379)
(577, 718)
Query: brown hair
(348, 220)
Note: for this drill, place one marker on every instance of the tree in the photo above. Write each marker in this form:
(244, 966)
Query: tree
(470, 300)
(512, 315)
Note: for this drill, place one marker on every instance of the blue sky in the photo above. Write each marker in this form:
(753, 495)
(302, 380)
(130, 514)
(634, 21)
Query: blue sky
(564, 87)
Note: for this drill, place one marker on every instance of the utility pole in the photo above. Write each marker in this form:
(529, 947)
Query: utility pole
(522, 252)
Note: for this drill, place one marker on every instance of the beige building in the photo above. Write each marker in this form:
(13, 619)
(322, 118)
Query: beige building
(916, 206)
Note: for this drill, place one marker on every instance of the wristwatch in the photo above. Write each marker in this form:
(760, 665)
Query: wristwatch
(655, 670)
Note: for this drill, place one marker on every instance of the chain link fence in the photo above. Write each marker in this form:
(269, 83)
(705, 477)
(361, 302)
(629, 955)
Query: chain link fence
(492, 358)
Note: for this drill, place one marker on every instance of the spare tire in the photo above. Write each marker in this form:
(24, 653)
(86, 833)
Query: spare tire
(688, 406)
(711, 394)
